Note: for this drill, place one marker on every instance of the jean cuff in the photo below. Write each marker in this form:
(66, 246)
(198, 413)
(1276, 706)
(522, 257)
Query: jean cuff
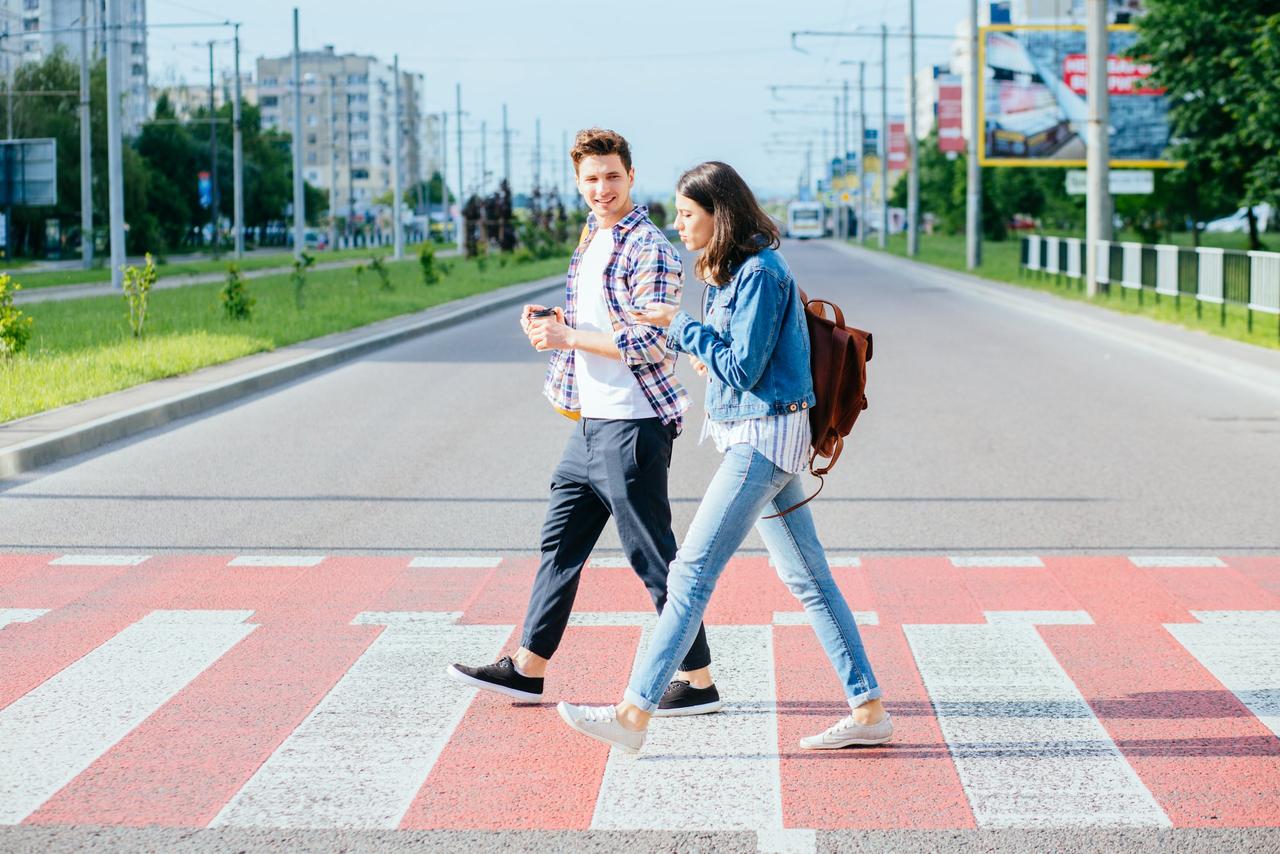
(638, 701)
(865, 697)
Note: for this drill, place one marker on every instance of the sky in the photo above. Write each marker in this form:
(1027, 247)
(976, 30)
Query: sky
(683, 81)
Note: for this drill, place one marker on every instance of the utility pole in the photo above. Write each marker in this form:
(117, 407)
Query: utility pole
(115, 158)
(884, 136)
(299, 196)
(462, 193)
(351, 181)
(444, 166)
(537, 153)
(862, 152)
(564, 165)
(397, 222)
(333, 162)
(506, 148)
(237, 154)
(213, 160)
(913, 159)
(844, 164)
(1098, 201)
(484, 157)
(973, 189)
(837, 214)
(86, 145)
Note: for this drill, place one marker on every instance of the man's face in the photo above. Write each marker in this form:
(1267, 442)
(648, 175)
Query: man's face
(606, 185)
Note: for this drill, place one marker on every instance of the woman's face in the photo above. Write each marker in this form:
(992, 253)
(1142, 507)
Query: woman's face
(694, 223)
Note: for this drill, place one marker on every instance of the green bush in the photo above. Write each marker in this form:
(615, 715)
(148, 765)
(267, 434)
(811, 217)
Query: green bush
(299, 278)
(137, 292)
(15, 327)
(379, 267)
(427, 264)
(236, 301)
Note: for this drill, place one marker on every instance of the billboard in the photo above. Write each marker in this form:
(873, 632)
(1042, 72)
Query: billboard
(1033, 107)
(29, 172)
(950, 118)
(897, 146)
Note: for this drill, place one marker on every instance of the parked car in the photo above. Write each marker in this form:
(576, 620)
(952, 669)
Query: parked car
(1239, 221)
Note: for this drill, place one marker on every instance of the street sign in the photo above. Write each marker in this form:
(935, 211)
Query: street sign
(1123, 182)
(870, 141)
(29, 172)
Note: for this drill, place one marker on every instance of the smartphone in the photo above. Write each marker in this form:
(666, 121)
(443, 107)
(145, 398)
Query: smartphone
(542, 312)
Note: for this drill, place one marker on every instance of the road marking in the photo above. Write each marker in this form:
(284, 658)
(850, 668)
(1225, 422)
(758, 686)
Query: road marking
(98, 560)
(925, 590)
(711, 772)
(276, 560)
(20, 615)
(1039, 618)
(609, 563)
(646, 619)
(512, 767)
(445, 562)
(1243, 653)
(836, 560)
(361, 755)
(1188, 561)
(1029, 751)
(58, 729)
(1268, 617)
(1025, 561)
(787, 841)
(801, 618)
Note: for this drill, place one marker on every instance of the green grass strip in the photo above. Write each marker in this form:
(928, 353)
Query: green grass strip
(82, 348)
(1001, 262)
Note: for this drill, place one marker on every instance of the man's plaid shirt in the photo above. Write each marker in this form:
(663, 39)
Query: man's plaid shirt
(644, 267)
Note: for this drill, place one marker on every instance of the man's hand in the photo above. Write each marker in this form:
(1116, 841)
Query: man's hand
(656, 314)
(699, 368)
(525, 319)
(550, 333)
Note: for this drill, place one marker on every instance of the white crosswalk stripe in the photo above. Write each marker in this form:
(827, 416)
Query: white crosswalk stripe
(57, 730)
(1027, 747)
(454, 562)
(362, 754)
(20, 615)
(98, 560)
(1242, 650)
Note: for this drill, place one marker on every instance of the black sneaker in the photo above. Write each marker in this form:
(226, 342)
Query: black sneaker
(500, 677)
(681, 698)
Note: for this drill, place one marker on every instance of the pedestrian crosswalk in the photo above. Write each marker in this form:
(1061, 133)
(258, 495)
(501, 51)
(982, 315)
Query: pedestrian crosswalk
(308, 691)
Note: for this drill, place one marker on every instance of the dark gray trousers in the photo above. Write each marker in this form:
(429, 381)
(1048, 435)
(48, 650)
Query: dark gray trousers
(609, 468)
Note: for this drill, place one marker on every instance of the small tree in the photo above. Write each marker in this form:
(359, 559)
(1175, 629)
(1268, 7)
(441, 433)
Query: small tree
(236, 301)
(15, 327)
(379, 268)
(137, 292)
(299, 278)
(427, 262)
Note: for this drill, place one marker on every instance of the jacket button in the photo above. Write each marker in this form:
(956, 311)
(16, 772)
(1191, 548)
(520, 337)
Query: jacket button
(792, 407)
(804, 405)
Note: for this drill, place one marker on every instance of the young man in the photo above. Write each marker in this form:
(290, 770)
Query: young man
(616, 379)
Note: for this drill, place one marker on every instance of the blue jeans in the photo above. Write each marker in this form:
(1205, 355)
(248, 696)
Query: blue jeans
(745, 486)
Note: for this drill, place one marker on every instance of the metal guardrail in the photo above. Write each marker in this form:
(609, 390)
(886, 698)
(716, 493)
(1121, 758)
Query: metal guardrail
(1206, 274)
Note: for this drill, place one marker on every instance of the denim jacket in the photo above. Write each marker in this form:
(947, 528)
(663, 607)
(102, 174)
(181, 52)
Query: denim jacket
(755, 342)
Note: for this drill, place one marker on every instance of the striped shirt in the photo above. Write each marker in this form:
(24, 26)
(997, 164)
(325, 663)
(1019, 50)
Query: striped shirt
(642, 268)
(783, 440)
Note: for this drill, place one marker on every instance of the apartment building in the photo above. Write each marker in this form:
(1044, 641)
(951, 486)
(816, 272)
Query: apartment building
(348, 109)
(37, 28)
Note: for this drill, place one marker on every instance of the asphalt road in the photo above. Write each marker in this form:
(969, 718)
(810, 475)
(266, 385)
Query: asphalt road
(991, 429)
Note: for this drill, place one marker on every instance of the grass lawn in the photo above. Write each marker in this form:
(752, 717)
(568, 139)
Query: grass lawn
(185, 267)
(1001, 261)
(83, 348)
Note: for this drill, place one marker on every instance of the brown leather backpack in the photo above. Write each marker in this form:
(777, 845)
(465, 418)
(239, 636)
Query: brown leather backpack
(838, 356)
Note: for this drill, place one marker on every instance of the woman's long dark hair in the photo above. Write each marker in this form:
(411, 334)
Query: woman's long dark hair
(741, 227)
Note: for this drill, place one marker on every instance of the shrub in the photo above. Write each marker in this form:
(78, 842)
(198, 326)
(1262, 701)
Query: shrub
(379, 267)
(137, 292)
(15, 327)
(427, 262)
(236, 301)
(299, 278)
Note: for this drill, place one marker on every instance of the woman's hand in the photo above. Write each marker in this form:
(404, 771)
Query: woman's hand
(699, 368)
(656, 314)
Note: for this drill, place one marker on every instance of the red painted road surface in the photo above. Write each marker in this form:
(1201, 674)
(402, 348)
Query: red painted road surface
(187, 692)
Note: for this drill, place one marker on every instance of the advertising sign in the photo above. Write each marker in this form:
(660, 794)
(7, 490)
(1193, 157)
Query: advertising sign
(29, 172)
(950, 114)
(871, 141)
(1033, 107)
(206, 189)
(897, 146)
(1123, 182)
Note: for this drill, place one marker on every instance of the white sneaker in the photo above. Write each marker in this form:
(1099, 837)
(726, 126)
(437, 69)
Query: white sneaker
(601, 723)
(846, 732)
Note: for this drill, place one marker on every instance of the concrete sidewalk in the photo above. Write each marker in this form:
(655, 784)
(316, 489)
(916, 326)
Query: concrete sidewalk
(57, 293)
(47, 437)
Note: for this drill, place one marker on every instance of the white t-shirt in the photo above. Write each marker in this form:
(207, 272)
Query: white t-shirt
(606, 386)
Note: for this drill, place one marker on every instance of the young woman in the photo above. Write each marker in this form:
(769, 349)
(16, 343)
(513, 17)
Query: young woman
(754, 348)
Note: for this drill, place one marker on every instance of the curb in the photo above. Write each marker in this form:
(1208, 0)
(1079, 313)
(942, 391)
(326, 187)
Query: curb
(36, 453)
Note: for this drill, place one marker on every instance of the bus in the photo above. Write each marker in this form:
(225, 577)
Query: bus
(805, 220)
